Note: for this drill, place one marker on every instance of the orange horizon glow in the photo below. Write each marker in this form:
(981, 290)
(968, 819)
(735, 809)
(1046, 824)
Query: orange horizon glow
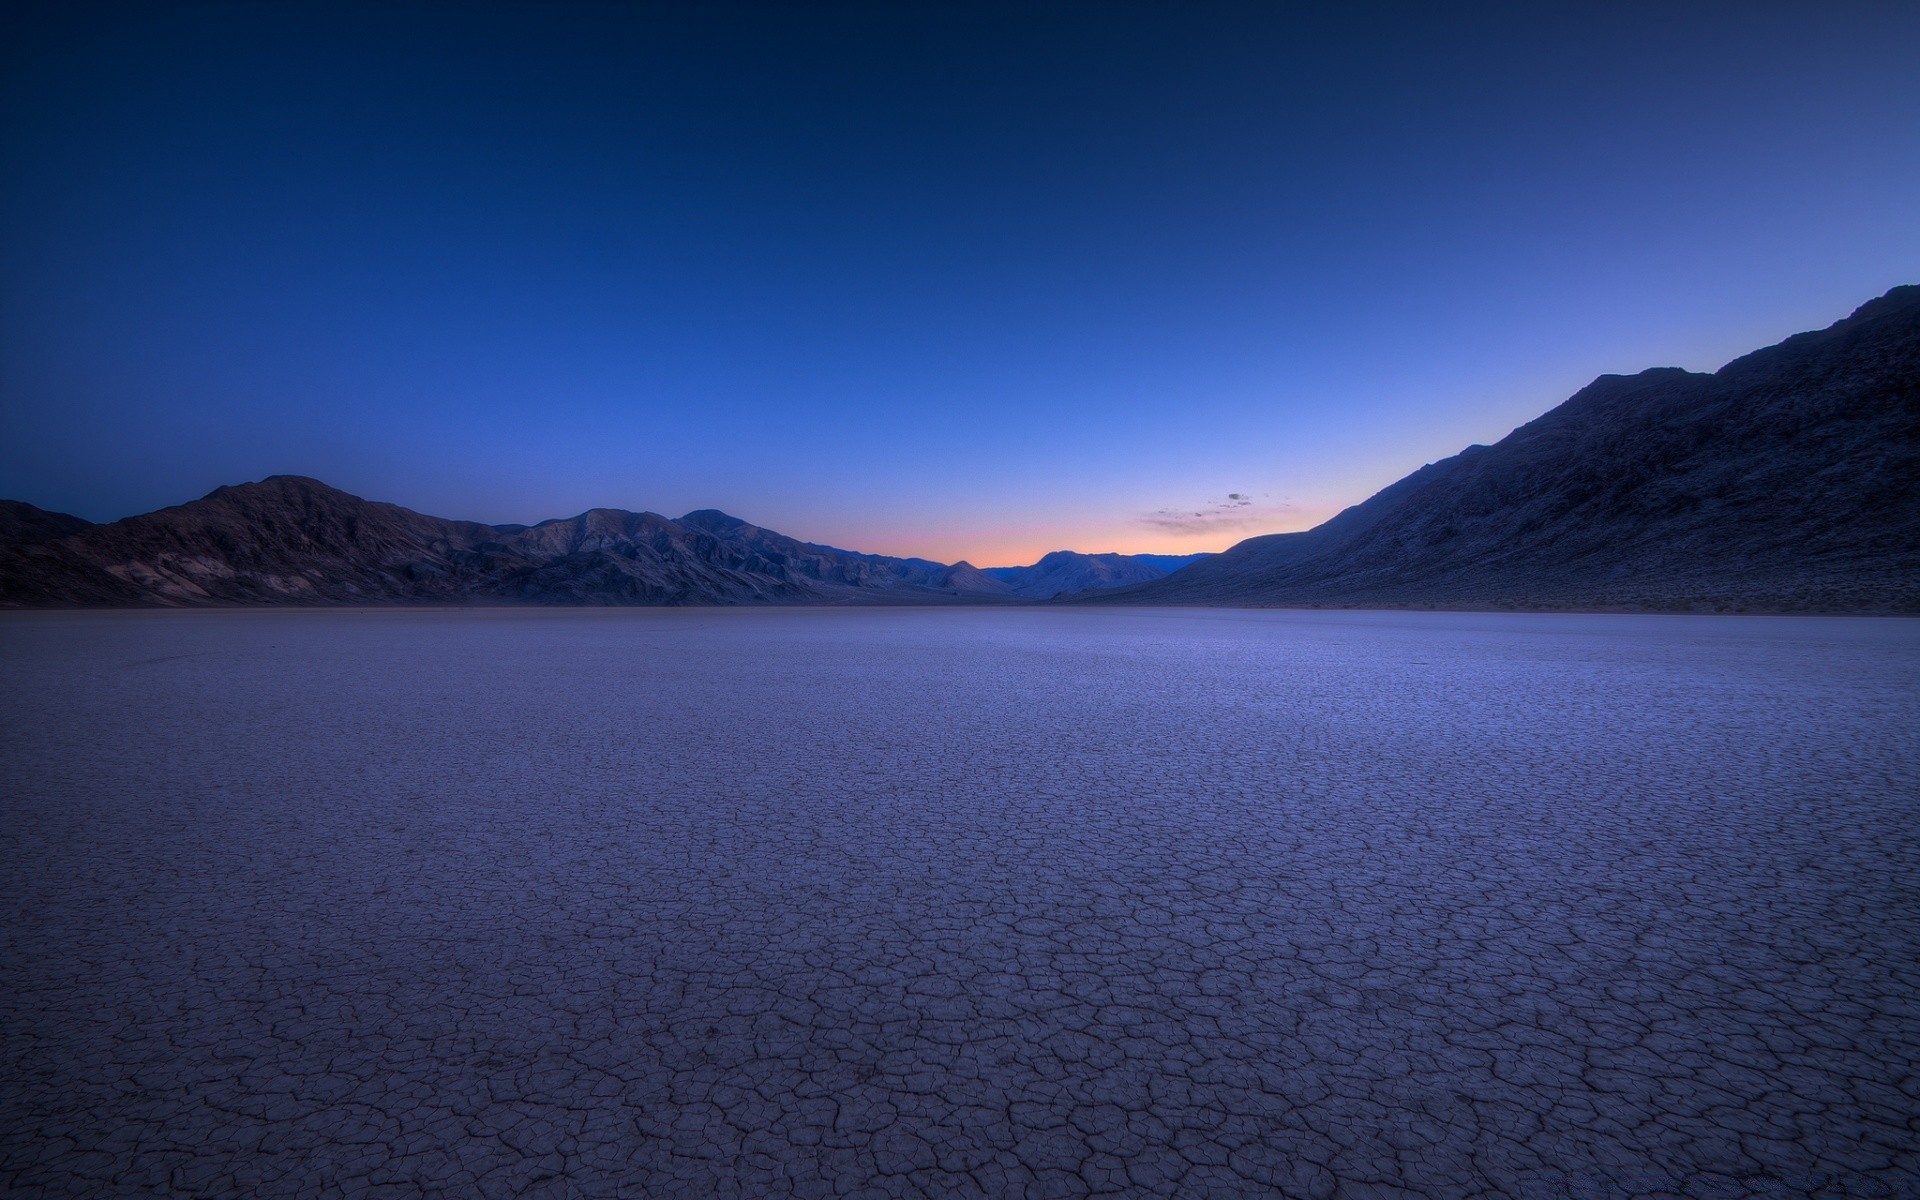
(989, 548)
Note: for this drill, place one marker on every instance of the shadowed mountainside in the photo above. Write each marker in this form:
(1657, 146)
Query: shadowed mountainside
(291, 540)
(1789, 480)
(1066, 571)
(20, 523)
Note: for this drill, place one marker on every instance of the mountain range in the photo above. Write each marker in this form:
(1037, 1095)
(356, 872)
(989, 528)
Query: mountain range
(1067, 572)
(293, 540)
(1788, 480)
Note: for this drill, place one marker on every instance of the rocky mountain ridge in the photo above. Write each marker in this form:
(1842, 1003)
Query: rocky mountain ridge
(292, 540)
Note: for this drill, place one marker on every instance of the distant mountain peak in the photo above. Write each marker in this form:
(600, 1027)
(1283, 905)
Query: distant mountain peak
(279, 484)
(712, 520)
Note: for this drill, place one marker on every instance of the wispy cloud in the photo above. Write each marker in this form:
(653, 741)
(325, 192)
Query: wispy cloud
(1235, 511)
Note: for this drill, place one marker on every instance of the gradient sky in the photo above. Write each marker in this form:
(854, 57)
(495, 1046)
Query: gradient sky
(951, 279)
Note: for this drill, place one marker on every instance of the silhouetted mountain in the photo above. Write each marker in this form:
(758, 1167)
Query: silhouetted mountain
(21, 523)
(1066, 571)
(1789, 480)
(291, 540)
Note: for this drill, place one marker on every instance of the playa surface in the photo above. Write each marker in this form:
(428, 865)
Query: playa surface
(962, 902)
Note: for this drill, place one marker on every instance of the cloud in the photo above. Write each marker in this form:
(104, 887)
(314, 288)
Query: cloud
(1236, 511)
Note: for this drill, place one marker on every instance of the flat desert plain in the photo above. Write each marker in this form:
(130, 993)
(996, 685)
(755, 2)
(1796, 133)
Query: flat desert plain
(1046, 902)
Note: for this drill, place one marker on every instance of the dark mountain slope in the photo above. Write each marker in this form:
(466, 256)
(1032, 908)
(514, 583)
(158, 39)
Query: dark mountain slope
(1789, 480)
(284, 539)
(1067, 571)
(291, 540)
(23, 523)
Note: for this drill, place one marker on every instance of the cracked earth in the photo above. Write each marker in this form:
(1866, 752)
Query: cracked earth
(969, 903)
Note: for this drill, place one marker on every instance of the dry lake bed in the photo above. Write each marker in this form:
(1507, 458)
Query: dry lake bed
(958, 902)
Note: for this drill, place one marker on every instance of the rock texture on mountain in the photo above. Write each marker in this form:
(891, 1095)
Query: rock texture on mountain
(292, 540)
(1066, 571)
(1789, 480)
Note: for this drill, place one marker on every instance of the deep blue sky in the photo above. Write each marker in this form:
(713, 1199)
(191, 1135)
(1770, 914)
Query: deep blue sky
(954, 279)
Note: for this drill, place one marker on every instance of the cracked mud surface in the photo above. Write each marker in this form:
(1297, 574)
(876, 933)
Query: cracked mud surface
(970, 903)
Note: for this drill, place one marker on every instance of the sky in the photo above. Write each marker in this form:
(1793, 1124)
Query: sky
(951, 279)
